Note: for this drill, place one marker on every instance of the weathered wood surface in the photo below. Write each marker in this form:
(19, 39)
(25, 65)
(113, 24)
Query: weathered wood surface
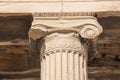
(14, 27)
(95, 73)
(14, 57)
(14, 51)
(35, 73)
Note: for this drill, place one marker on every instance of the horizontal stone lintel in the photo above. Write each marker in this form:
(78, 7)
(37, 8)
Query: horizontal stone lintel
(51, 0)
(102, 8)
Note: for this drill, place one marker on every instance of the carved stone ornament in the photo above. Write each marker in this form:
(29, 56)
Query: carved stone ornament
(63, 56)
(86, 26)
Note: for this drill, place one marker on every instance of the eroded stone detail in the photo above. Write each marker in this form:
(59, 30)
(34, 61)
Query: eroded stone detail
(61, 41)
(42, 28)
(62, 53)
(64, 66)
(57, 14)
(63, 57)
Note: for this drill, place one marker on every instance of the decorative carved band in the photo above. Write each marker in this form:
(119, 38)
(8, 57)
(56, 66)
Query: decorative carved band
(63, 14)
(58, 42)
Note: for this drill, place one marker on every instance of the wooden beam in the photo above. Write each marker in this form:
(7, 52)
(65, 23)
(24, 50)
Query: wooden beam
(14, 42)
(94, 73)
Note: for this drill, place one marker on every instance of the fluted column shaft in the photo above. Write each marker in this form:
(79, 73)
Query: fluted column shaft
(63, 58)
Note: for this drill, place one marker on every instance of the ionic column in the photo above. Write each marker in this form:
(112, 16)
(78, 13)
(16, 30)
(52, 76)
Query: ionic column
(62, 54)
(63, 58)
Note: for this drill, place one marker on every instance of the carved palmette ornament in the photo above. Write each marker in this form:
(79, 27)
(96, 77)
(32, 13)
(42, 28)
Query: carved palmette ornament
(61, 42)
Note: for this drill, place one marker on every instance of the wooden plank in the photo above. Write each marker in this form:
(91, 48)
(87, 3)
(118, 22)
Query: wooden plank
(8, 43)
(95, 73)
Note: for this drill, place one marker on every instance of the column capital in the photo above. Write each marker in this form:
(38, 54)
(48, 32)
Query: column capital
(87, 26)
